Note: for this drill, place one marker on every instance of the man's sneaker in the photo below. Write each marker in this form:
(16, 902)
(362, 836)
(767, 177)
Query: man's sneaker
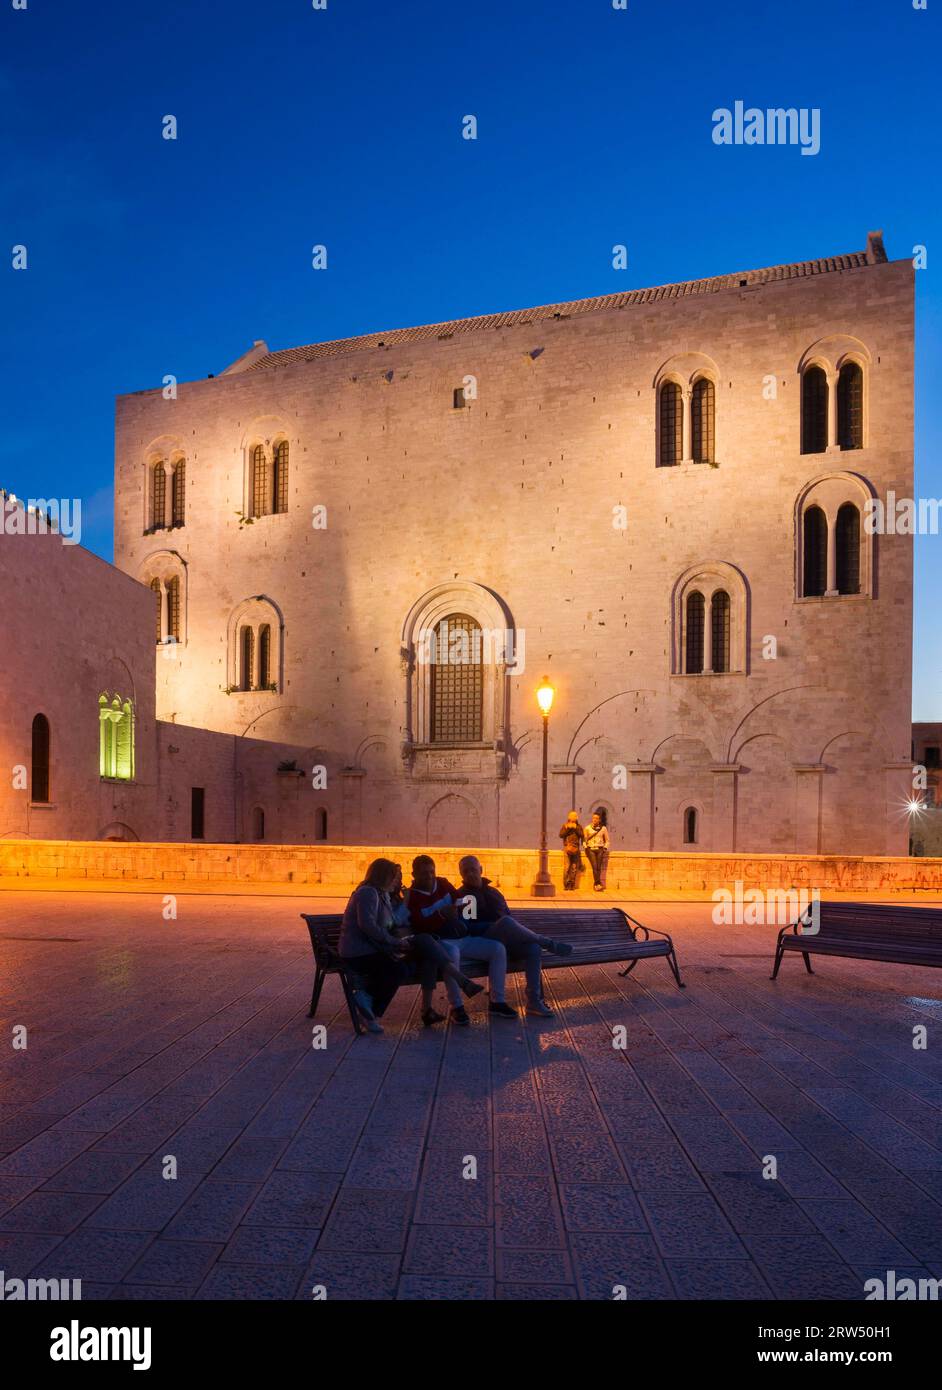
(558, 948)
(540, 1009)
(501, 1009)
(459, 1016)
(365, 1009)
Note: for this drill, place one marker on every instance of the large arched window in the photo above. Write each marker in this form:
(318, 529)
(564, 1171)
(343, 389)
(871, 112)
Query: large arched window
(457, 680)
(280, 483)
(815, 543)
(246, 658)
(814, 411)
(719, 631)
(178, 494)
(39, 775)
(260, 486)
(158, 496)
(694, 633)
(702, 420)
(847, 541)
(850, 406)
(164, 574)
(670, 424)
(116, 737)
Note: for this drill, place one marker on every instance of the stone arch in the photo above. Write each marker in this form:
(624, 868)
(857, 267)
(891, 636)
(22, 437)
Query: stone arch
(829, 492)
(709, 578)
(254, 614)
(453, 822)
(265, 432)
(161, 567)
(117, 830)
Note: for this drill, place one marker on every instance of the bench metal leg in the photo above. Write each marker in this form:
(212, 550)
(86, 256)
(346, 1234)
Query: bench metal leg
(672, 962)
(354, 1012)
(316, 993)
(779, 954)
(627, 970)
(807, 962)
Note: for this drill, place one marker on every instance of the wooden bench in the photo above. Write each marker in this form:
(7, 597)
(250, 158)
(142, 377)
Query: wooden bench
(597, 936)
(866, 931)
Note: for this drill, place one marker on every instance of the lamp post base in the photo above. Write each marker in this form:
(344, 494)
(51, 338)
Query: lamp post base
(543, 887)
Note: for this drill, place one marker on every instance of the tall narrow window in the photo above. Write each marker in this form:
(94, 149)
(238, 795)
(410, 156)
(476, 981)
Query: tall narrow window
(847, 540)
(815, 547)
(246, 658)
(258, 824)
(671, 423)
(693, 640)
(178, 494)
(158, 596)
(702, 417)
(320, 823)
(719, 630)
(264, 657)
(457, 681)
(281, 476)
(197, 813)
(850, 406)
(158, 497)
(39, 778)
(814, 411)
(116, 737)
(261, 491)
(174, 625)
(690, 826)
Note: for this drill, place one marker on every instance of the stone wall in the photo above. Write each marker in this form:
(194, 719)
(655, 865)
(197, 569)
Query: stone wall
(335, 867)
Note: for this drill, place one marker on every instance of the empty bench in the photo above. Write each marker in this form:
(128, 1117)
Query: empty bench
(597, 936)
(865, 931)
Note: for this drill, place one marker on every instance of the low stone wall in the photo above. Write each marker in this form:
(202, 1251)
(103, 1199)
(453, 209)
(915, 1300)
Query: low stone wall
(341, 866)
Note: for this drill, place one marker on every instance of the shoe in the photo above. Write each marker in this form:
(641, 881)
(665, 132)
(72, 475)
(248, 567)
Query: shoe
(431, 1016)
(501, 1009)
(540, 1009)
(365, 1009)
(469, 988)
(558, 948)
(459, 1016)
(598, 888)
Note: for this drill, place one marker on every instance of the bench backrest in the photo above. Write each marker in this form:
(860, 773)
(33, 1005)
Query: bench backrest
(325, 937)
(880, 922)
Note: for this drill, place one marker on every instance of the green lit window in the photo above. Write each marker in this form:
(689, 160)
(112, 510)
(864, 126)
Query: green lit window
(116, 737)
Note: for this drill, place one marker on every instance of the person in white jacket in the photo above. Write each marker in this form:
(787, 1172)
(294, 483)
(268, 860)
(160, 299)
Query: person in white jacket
(597, 844)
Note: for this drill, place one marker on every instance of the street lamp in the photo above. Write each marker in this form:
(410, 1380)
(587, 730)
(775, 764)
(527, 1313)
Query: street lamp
(543, 885)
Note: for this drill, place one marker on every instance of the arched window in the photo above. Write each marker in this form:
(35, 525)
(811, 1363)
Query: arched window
(158, 496)
(246, 658)
(670, 424)
(39, 776)
(320, 823)
(693, 641)
(173, 609)
(815, 546)
(850, 406)
(280, 490)
(116, 737)
(264, 656)
(178, 494)
(260, 500)
(258, 824)
(702, 418)
(847, 543)
(457, 681)
(814, 411)
(690, 825)
(156, 590)
(719, 631)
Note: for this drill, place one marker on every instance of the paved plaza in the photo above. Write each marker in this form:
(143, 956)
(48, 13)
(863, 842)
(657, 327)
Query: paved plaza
(170, 1131)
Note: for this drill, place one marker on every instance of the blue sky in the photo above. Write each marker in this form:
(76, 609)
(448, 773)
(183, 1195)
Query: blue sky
(342, 127)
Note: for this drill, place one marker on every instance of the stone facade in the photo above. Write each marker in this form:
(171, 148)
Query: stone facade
(538, 509)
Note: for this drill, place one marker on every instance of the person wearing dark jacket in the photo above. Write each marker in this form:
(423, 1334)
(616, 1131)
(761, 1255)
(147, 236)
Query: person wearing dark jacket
(383, 958)
(484, 905)
(572, 835)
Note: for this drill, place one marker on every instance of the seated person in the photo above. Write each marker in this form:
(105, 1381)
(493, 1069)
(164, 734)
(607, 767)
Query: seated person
(431, 904)
(486, 908)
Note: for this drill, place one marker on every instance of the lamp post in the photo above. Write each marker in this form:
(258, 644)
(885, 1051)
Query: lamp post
(543, 886)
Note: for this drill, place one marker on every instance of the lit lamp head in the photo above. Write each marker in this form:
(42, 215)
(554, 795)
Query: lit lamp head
(544, 698)
(914, 806)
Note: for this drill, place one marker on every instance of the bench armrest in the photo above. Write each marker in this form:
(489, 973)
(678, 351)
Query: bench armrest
(635, 927)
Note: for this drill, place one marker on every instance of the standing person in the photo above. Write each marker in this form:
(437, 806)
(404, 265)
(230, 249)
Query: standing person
(431, 906)
(571, 835)
(382, 959)
(487, 907)
(597, 844)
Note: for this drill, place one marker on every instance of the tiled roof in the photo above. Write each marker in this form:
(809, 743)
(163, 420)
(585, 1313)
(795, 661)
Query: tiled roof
(873, 254)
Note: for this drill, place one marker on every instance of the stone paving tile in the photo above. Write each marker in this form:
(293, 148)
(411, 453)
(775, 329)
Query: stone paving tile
(367, 1222)
(20, 1253)
(248, 1282)
(13, 1190)
(298, 1200)
(691, 1226)
(150, 1293)
(214, 1211)
(757, 1206)
(94, 1255)
(254, 1245)
(717, 1279)
(342, 1276)
(534, 1266)
(856, 1234)
(527, 1213)
(414, 1286)
(446, 1196)
(446, 1251)
(537, 1293)
(174, 1262)
(51, 1213)
(619, 1267)
(600, 1207)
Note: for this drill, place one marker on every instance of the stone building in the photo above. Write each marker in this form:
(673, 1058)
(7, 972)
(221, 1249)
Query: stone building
(373, 549)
